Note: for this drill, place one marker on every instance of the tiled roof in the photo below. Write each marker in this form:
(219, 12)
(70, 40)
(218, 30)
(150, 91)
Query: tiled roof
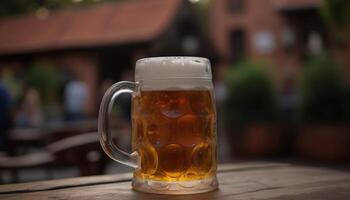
(107, 24)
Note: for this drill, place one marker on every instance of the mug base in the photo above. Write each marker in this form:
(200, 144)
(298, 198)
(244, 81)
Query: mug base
(175, 187)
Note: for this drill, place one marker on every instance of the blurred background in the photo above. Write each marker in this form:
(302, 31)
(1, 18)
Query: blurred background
(281, 72)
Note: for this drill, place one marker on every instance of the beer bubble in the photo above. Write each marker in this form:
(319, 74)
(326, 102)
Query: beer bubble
(172, 160)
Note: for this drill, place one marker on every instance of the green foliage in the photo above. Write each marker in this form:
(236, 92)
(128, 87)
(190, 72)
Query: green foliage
(201, 10)
(12, 83)
(323, 92)
(252, 94)
(336, 12)
(45, 80)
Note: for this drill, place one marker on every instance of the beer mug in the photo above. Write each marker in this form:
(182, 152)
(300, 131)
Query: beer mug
(173, 126)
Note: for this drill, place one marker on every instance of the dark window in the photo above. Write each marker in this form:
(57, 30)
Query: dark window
(236, 6)
(310, 30)
(237, 45)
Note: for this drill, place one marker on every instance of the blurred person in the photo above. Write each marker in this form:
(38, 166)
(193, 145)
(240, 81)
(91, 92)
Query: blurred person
(314, 43)
(220, 89)
(75, 99)
(30, 113)
(288, 100)
(5, 115)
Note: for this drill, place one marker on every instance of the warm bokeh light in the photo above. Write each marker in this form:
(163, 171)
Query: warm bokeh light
(194, 1)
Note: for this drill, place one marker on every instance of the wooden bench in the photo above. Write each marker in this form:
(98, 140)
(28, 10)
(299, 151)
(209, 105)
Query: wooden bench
(81, 150)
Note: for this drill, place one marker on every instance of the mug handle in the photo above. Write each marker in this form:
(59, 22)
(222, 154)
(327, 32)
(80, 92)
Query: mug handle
(106, 140)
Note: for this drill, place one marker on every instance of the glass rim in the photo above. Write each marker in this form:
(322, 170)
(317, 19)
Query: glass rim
(166, 58)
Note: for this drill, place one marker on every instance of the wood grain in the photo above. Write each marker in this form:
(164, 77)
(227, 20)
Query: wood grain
(237, 181)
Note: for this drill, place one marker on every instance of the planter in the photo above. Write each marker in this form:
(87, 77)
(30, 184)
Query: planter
(258, 139)
(324, 142)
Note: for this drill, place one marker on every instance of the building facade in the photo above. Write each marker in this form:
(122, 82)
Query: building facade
(282, 33)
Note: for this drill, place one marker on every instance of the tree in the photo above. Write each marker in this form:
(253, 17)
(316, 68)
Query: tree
(337, 14)
(201, 8)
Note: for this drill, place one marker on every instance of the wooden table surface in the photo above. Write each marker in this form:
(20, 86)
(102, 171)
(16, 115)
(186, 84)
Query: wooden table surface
(253, 180)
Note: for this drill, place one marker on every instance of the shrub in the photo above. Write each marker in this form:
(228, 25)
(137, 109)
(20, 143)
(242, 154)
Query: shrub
(251, 94)
(323, 94)
(45, 80)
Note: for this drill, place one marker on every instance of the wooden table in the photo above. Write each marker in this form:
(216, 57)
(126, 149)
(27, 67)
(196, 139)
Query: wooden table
(255, 180)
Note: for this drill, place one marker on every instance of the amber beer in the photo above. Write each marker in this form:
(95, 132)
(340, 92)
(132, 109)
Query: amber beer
(173, 126)
(174, 134)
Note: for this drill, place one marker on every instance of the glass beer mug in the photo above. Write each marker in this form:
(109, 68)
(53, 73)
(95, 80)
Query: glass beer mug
(173, 126)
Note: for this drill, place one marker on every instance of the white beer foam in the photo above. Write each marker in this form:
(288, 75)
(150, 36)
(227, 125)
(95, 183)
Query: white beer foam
(173, 73)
